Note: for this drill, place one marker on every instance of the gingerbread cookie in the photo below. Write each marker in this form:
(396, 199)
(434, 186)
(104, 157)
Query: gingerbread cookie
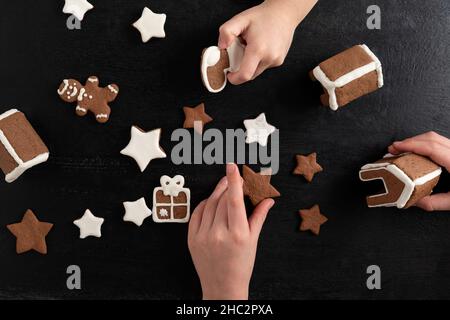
(144, 147)
(196, 118)
(307, 166)
(171, 201)
(312, 219)
(30, 233)
(258, 130)
(407, 178)
(216, 63)
(89, 97)
(20, 146)
(78, 8)
(136, 211)
(257, 185)
(89, 225)
(348, 76)
(151, 25)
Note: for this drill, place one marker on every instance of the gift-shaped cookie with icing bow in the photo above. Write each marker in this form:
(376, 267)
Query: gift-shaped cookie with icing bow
(171, 201)
(216, 63)
(90, 97)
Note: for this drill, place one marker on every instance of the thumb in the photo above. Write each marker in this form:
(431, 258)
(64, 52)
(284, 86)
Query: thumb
(259, 215)
(230, 30)
(436, 202)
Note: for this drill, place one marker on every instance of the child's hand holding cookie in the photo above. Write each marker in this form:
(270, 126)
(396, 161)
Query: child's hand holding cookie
(437, 148)
(223, 242)
(268, 30)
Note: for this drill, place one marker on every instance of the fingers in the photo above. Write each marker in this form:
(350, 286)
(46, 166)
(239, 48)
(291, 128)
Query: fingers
(237, 216)
(250, 62)
(221, 218)
(259, 215)
(438, 152)
(211, 204)
(436, 202)
(196, 218)
(230, 30)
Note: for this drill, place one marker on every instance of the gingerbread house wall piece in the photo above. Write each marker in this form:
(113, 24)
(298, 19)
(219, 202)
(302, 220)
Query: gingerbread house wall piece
(216, 63)
(171, 201)
(20, 146)
(407, 178)
(348, 76)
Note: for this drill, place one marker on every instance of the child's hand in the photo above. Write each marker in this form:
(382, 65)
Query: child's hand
(223, 242)
(268, 30)
(437, 148)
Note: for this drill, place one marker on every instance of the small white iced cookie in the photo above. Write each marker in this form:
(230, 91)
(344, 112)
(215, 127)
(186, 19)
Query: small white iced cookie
(144, 147)
(89, 225)
(258, 130)
(78, 8)
(136, 211)
(171, 201)
(217, 63)
(151, 25)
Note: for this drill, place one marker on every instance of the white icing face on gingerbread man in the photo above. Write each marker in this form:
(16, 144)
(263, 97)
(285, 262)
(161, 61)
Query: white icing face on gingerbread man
(89, 97)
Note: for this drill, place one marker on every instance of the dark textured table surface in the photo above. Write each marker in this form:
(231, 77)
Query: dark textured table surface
(156, 79)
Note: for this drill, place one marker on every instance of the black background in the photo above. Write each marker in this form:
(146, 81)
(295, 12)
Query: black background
(156, 79)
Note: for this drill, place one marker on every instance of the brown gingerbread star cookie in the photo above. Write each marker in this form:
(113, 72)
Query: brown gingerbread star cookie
(257, 185)
(307, 166)
(30, 233)
(196, 114)
(312, 219)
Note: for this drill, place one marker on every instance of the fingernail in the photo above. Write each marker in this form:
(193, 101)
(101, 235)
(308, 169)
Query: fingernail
(230, 168)
(396, 143)
(272, 203)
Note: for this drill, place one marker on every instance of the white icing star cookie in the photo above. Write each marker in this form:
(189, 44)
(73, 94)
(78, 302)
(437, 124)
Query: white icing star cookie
(258, 130)
(151, 25)
(144, 147)
(89, 225)
(136, 211)
(77, 7)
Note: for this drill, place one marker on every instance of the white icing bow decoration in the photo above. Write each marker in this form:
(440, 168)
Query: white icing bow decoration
(172, 186)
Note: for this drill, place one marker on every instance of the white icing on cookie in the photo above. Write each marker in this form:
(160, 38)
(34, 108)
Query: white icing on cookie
(151, 25)
(144, 147)
(258, 130)
(172, 186)
(211, 57)
(22, 166)
(80, 109)
(331, 86)
(112, 89)
(92, 79)
(66, 84)
(101, 115)
(136, 211)
(163, 212)
(77, 7)
(80, 96)
(89, 225)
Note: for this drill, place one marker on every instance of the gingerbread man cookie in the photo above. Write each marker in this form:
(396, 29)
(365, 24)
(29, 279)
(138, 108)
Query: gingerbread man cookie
(89, 97)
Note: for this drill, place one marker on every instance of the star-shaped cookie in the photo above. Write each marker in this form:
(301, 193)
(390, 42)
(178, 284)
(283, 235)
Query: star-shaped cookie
(196, 117)
(258, 130)
(312, 219)
(144, 147)
(136, 211)
(307, 166)
(30, 233)
(77, 7)
(151, 25)
(89, 225)
(257, 185)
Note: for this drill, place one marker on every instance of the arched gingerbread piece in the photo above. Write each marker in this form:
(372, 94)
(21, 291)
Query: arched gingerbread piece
(394, 187)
